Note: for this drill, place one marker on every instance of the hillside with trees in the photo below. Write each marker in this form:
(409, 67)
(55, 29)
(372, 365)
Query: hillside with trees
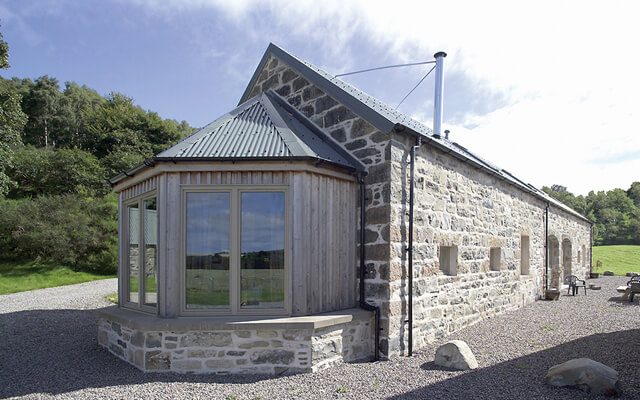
(58, 146)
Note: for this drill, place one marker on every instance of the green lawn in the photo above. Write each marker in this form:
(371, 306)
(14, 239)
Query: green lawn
(18, 276)
(619, 259)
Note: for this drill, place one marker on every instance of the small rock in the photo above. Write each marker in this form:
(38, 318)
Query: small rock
(632, 274)
(585, 374)
(456, 354)
(593, 286)
(608, 273)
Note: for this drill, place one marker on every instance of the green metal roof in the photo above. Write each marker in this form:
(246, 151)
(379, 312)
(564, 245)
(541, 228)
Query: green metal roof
(263, 128)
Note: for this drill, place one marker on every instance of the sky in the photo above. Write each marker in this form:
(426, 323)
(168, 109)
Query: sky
(261, 219)
(547, 90)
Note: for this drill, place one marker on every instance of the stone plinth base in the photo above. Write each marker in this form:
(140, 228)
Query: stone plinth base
(234, 346)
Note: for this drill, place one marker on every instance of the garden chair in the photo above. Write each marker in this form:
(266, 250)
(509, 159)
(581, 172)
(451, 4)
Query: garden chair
(574, 284)
(634, 287)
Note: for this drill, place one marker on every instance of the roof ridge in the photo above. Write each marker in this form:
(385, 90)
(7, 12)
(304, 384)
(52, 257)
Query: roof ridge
(374, 111)
(313, 128)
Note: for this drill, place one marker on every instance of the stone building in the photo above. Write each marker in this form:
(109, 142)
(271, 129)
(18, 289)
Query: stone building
(283, 235)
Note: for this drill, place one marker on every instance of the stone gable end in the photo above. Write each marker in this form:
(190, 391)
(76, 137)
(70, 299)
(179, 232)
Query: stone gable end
(460, 212)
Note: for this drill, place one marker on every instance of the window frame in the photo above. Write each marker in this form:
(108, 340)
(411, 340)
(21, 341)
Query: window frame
(235, 211)
(125, 261)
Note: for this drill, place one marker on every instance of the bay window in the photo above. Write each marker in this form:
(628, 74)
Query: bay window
(234, 241)
(141, 238)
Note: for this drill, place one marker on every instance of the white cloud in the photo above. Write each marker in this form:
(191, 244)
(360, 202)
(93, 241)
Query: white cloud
(558, 79)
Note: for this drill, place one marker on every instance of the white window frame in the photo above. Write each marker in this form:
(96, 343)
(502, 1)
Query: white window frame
(125, 261)
(235, 192)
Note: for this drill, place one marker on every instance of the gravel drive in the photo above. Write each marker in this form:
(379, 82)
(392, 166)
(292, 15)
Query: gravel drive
(48, 349)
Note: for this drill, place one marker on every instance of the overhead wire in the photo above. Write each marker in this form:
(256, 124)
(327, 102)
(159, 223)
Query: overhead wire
(385, 67)
(415, 87)
(395, 66)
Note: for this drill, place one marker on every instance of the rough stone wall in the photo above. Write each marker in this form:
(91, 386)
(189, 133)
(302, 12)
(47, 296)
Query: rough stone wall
(268, 351)
(457, 205)
(365, 142)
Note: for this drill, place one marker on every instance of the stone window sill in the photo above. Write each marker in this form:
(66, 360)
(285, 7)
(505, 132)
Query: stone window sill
(145, 322)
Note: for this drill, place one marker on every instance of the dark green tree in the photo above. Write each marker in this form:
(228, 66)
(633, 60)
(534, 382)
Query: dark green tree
(40, 171)
(634, 193)
(12, 121)
(76, 103)
(4, 54)
(560, 193)
(41, 105)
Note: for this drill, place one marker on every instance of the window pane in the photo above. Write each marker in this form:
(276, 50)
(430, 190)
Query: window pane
(262, 250)
(207, 263)
(150, 252)
(133, 251)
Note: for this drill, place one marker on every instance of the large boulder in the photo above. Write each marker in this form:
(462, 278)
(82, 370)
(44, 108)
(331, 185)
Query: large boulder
(456, 354)
(585, 374)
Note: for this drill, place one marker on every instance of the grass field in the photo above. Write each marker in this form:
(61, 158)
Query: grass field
(16, 276)
(619, 259)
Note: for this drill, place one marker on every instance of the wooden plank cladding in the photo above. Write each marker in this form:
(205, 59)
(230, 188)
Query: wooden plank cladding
(235, 178)
(324, 243)
(140, 188)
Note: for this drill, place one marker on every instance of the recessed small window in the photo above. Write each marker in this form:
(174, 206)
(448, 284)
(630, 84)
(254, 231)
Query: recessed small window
(524, 255)
(494, 259)
(449, 260)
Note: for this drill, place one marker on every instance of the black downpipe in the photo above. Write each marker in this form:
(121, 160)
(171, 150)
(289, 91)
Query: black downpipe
(410, 247)
(590, 250)
(546, 248)
(363, 304)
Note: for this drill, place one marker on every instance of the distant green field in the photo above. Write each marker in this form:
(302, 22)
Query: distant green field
(619, 259)
(18, 276)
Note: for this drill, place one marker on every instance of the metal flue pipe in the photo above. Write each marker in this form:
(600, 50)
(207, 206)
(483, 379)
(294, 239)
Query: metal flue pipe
(439, 92)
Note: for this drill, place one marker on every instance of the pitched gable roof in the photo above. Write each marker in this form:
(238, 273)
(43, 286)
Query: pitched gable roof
(387, 119)
(263, 128)
(377, 113)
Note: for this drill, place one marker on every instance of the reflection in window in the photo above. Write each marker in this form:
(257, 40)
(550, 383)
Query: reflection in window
(262, 250)
(133, 251)
(207, 261)
(150, 251)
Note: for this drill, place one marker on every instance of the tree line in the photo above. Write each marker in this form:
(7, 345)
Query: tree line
(58, 146)
(615, 213)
